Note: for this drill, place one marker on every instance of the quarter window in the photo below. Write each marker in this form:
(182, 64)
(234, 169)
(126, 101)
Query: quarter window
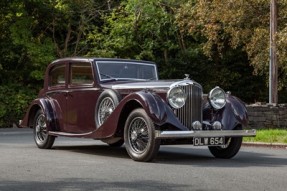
(57, 76)
(81, 74)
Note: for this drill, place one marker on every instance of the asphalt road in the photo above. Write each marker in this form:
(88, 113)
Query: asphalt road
(83, 164)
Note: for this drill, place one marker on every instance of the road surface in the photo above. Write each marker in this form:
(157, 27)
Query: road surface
(84, 164)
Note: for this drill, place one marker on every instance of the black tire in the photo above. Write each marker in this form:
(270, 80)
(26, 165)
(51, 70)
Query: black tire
(109, 97)
(41, 137)
(232, 147)
(139, 136)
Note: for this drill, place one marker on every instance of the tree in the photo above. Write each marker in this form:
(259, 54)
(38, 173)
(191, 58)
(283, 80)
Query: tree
(34, 33)
(240, 25)
(143, 29)
(217, 42)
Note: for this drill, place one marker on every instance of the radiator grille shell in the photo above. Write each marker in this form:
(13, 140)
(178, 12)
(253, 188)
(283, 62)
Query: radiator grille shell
(192, 110)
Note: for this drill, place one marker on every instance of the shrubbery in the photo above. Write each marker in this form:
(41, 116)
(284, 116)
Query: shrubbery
(14, 100)
(217, 43)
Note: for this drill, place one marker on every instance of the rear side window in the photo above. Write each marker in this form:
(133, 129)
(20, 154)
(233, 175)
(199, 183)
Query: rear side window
(57, 76)
(81, 74)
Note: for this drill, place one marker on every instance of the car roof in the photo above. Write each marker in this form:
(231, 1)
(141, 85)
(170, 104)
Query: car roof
(90, 59)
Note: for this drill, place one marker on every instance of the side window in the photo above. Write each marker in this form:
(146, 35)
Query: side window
(57, 76)
(81, 74)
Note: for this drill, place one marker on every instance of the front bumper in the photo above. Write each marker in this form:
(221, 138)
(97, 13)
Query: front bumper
(213, 133)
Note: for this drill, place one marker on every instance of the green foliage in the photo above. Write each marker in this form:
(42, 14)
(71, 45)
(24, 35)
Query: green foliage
(13, 101)
(217, 42)
(136, 29)
(229, 25)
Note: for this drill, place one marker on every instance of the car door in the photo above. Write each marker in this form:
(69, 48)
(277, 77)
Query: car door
(82, 98)
(57, 93)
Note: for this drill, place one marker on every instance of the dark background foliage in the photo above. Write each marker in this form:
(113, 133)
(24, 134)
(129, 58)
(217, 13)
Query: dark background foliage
(217, 45)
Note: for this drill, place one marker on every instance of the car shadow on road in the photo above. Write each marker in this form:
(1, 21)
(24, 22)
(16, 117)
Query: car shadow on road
(185, 156)
(202, 158)
(101, 150)
(91, 184)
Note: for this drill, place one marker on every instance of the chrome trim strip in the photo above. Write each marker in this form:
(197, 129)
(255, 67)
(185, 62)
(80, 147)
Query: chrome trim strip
(144, 85)
(72, 90)
(58, 133)
(191, 134)
(147, 86)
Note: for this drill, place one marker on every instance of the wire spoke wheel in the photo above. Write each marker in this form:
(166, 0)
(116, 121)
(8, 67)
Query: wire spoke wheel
(107, 102)
(230, 149)
(139, 136)
(106, 107)
(227, 143)
(42, 139)
(41, 129)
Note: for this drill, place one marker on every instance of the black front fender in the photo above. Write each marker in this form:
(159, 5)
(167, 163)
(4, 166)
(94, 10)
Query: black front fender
(234, 113)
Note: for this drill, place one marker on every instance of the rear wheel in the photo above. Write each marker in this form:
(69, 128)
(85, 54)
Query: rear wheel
(229, 150)
(42, 139)
(139, 136)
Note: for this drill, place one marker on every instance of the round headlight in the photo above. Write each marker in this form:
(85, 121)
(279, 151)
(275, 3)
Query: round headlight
(217, 98)
(176, 97)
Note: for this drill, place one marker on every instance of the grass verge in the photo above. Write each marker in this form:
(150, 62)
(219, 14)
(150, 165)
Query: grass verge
(268, 136)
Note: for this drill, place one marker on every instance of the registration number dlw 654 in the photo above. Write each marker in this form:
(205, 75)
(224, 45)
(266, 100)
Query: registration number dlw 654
(208, 141)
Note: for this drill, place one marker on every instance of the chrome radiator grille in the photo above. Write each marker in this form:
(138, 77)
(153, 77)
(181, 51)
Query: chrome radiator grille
(192, 110)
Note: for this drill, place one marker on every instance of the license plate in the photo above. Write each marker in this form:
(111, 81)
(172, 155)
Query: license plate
(208, 141)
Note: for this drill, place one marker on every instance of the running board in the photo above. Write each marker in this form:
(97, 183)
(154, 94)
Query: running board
(57, 133)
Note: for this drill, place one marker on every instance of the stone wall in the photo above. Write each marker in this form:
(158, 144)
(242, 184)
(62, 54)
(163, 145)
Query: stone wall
(267, 116)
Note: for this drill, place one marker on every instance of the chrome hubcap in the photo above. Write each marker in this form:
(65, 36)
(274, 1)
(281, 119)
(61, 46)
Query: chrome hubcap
(138, 135)
(106, 107)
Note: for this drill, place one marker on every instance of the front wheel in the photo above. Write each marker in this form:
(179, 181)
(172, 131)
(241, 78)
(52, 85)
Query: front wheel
(139, 136)
(229, 150)
(41, 137)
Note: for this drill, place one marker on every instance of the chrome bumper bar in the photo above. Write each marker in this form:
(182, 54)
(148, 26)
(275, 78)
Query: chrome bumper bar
(214, 133)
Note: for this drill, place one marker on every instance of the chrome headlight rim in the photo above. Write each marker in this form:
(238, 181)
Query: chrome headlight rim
(217, 98)
(176, 97)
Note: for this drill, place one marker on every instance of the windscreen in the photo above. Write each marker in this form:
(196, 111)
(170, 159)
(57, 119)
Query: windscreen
(126, 70)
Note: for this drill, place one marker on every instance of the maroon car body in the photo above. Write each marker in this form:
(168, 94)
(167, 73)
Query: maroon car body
(123, 101)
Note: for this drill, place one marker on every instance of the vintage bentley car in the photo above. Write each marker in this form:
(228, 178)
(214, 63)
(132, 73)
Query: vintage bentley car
(122, 101)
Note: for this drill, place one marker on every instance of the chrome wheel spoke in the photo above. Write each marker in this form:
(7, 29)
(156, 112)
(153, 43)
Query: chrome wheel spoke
(138, 135)
(41, 129)
(226, 145)
(106, 107)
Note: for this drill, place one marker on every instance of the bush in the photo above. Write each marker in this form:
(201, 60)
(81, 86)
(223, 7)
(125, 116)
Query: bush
(14, 100)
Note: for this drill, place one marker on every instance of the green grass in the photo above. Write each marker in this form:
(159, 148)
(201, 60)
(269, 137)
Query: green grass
(269, 136)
